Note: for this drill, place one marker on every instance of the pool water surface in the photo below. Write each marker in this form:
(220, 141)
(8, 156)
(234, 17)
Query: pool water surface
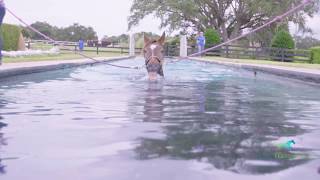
(202, 121)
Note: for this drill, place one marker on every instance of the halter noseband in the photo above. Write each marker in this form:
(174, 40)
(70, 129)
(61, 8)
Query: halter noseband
(149, 59)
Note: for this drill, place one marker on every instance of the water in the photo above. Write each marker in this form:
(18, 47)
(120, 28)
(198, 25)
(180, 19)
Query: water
(202, 122)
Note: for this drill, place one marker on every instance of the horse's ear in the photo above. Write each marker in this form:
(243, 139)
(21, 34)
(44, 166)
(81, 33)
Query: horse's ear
(146, 39)
(162, 39)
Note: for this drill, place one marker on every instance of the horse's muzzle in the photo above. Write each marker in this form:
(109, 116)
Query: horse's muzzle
(155, 68)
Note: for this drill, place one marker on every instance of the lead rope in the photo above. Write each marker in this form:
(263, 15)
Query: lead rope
(68, 49)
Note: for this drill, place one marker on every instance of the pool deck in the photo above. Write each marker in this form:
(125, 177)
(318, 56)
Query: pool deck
(14, 69)
(305, 74)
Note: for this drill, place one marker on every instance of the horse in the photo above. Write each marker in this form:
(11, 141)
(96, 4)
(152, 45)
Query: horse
(153, 52)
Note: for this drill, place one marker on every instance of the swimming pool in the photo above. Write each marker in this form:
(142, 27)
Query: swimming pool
(203, 121)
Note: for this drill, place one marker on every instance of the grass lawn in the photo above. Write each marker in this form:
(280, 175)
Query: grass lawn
(62, 56)
(266, 62)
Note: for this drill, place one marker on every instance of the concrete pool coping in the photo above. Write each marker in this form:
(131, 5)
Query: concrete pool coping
(304, 74)
(15, 69)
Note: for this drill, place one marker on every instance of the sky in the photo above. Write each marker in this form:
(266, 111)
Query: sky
(107, 17)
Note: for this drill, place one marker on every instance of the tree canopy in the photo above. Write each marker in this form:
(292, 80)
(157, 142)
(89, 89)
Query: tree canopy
(70, 33)
(306, 42)
(228, 17)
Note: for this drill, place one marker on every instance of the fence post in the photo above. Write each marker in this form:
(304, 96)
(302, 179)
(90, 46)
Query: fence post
(255, 53)
(282, 54)
(227, 51)
(97, 49)
(131, 45)
(183, 46)
(29, 45)
(166, 50)
(75, 49)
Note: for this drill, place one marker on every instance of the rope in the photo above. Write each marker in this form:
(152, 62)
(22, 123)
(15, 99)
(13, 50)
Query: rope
(53, 41)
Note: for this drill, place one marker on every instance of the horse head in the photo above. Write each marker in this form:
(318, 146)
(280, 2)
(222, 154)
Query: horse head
(153, 52)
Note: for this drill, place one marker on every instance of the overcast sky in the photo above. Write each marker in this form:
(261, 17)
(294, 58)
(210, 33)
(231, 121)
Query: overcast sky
(108, 17)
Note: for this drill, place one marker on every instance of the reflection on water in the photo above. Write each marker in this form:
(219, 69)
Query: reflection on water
(2, 140)
(233, 129)
(204, 113)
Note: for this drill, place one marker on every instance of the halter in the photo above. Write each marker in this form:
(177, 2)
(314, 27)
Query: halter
(151, 57)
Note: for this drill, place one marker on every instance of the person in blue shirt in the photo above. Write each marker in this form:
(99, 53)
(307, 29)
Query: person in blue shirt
(201, 42)
(2, 13)
(81, 45)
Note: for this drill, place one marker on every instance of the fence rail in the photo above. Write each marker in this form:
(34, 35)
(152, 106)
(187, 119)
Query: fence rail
(259, 53)
(67, 46)
(228, 51)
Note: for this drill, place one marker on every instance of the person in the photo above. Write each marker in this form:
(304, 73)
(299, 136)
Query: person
(2, 13)
(201, 42)
(81, 45)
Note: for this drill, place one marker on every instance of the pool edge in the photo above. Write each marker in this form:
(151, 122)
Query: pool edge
(293, 73)
(16, 69)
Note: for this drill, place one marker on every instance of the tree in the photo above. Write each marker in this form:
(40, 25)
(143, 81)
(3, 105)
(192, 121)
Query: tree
(228, 17)
(306, 42)
(71, 33)
(76, 32)
(44, 27)
(25, 32)
(212, 37)
(283, 39)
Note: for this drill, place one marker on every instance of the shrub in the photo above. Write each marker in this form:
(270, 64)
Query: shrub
(10, 35)
(212, 37)
(175, 41)
(25, 32)
(282, 40)
(315, 55)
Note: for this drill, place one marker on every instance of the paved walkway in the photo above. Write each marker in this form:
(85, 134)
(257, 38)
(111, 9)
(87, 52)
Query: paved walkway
(13, 69)
(305, 74)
